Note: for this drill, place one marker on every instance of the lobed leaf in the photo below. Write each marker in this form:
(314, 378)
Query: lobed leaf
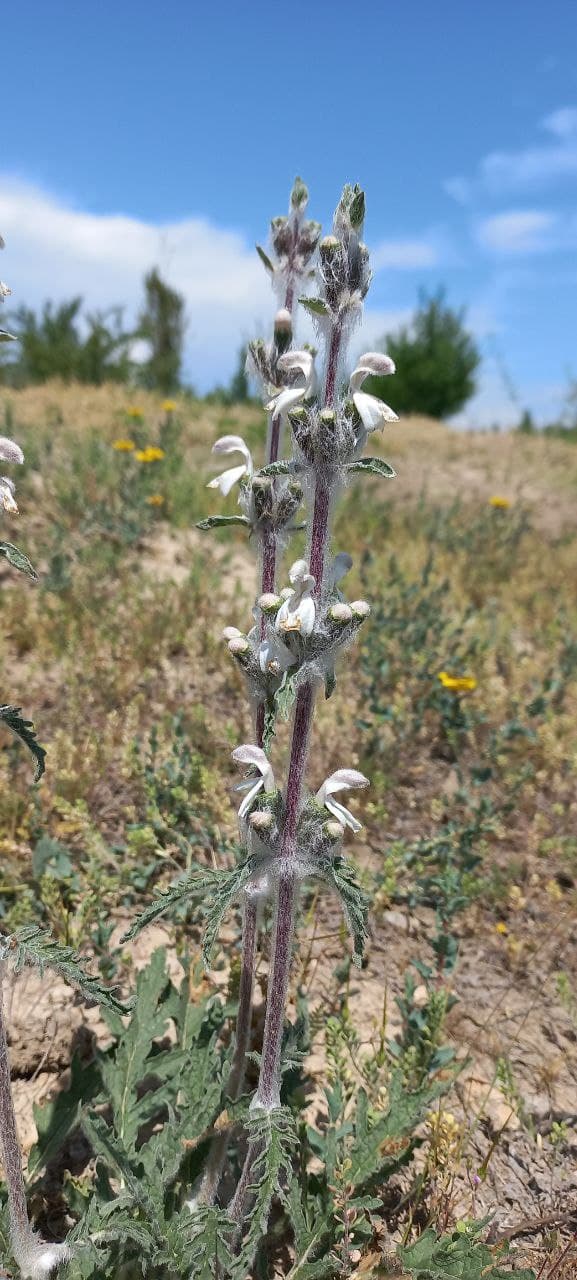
(18, 559)
(24, 729)
(29, 945)
(341, 875)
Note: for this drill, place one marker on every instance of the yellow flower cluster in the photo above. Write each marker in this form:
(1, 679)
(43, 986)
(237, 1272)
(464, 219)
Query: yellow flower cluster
(135, 412)
(459, 684)
(151, 454)
(155, 500)
(168, 405)
(123, 446)
(501, 504)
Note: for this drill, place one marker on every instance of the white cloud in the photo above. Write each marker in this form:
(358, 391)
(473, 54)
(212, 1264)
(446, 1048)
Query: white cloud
(404, 255)
(527, 231)
(501, 172)
(517, 231)
(562, 123)
(55, 251)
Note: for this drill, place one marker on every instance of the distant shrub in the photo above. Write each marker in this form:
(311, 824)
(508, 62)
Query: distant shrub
(436, 361)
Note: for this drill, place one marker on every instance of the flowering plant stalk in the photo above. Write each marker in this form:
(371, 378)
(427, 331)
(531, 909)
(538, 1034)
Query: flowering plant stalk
(294, 241)
(288, 834)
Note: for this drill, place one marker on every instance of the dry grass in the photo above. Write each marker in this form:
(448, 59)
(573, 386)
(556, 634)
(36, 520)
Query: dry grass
(120, 640)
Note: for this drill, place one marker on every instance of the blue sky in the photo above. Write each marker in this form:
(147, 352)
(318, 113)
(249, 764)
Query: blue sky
(136, 133)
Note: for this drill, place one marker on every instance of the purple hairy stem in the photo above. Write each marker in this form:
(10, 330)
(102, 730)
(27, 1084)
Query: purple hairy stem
(235, 1083)
(333, 364)
(268, 1092)
(274, 444)
(9, 1144)
(319, 532)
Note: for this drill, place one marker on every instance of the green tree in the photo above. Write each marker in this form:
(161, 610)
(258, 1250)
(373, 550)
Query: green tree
(58, 343)
(436, 361)
(238, 391)
(162, 324)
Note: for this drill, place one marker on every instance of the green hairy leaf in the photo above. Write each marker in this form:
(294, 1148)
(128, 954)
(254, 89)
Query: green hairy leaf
(273, 1140)
(357, 210)
(17, 559)
(56, 1118)
(30, 945)
(285, 696)
(315, 306)
(24, 729)
(282, 468)
(265, 259)
(225, 892)
(122, 1074)
(375, 466)
(355, 902)
(220, 522)
(459, 1256)
(210, 1233)
(312, 1223)
(199, 882)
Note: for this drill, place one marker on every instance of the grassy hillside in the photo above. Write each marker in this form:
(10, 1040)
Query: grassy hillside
(469, 844)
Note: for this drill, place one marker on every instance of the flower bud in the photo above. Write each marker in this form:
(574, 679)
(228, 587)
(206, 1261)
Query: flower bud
(283, 321)
(333, 830)
(361, 608)
(269, 602)
(281, 235)
(328, 247)
(263, 497)
(299, 194)
(283, 331)
(341, 613)
(261, 820)
(328, 417)
(238, 645)
(286, 593)
(232, 633)
(288, 502)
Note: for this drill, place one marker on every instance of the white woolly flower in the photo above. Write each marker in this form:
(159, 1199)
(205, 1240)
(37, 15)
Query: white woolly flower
(374, 413)
(248, 754)
(7, 495)
(341, 780)
(274, 657)
(303, 362)
(298, 611)
(225, 481)
(10, 451)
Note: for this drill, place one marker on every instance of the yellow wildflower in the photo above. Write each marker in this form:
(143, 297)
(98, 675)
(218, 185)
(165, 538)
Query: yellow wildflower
(168, 405)
(123, 446)
(499, 503)
(501, 927)
(134, 411)
(155, 499)
(151, 454)
(459, 684)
